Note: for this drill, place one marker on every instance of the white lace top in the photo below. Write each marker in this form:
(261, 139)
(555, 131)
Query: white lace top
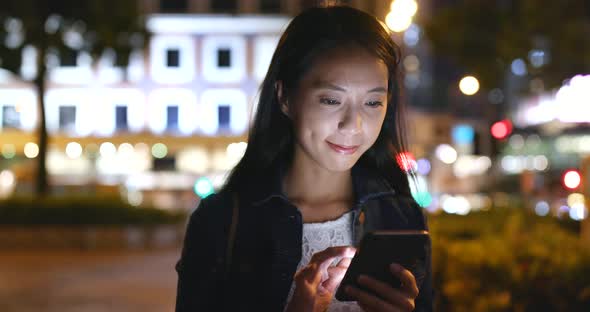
(321, 235)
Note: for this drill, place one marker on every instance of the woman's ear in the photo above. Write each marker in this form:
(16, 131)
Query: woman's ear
(282, 98)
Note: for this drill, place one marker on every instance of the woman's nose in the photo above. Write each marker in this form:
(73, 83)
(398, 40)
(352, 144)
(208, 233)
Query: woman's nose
(351, 122)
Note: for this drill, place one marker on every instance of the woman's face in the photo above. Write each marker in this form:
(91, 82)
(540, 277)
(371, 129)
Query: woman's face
(339, 107)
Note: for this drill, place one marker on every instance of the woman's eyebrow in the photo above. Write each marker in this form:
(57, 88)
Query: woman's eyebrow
(378, 90)
(331, 86)
(327, 85)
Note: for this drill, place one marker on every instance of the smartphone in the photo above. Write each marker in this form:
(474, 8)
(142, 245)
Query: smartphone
(378, 250)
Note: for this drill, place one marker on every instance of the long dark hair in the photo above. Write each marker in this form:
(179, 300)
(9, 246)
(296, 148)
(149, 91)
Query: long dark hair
(316, 30)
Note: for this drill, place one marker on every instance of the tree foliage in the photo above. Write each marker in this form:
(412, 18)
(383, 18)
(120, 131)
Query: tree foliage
(484, 37)
(58, 24)
(61, 28)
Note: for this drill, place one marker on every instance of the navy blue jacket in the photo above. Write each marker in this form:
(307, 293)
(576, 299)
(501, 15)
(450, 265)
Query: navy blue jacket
(267, 245)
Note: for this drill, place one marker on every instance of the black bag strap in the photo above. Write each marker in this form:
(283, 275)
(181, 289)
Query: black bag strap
(232, 236)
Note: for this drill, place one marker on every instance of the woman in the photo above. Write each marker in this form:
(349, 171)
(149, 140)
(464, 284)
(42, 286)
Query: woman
(318, 173)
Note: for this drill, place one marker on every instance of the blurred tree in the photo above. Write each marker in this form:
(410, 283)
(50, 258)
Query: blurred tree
(485, 37)
(63, 28)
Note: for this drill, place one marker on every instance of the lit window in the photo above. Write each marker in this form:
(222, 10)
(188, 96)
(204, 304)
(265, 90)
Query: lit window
(173, 110)
(121, 118)
(172, 58)
(223, 58)
(172, 118)
(10, 117)
(67, 118)
(223, 113)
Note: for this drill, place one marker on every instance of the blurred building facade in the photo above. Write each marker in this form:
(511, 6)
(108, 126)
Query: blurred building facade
(178, 112)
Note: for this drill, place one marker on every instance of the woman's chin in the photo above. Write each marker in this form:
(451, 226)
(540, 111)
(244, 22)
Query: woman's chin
(339, 164)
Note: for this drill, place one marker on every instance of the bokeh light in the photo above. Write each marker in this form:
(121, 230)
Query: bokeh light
(518, 67)
(419, 189)
(412, 35)
(107, 149)
(540, 162)
(142, 148)
(73, 150)
(455, 204)
(463, 134)
(411, 63)
(404, 7)
(470, 165)
(396, 22)
(572, 179)
(8, 151)
(424, 166)
(501, 129)
(235, 151)
(542, 208)
(159, 150)
(516, 141)
(446, 153)
(575, 199)
(406, 161)
(134, 197)
(203, 187)
(578, 212)
(469, 85)
(7, 178)
(31, 150)
(125, 150)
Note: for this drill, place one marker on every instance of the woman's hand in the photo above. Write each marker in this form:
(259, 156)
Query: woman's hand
(316, 282)
(390, 299)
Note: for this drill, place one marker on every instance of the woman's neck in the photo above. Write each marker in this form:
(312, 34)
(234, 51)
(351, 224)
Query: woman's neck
(309, 183)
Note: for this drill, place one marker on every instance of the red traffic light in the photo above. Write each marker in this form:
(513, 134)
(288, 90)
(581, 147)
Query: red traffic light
(501, 129)
(571, 179)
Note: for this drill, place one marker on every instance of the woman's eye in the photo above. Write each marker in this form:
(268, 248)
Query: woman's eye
(374, 103)
(329, 101)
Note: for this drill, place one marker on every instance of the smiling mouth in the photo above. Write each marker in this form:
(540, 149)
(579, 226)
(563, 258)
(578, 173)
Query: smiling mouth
(342, 149)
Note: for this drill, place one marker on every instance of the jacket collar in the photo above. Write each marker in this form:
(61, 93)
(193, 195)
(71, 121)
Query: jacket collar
(367, 185)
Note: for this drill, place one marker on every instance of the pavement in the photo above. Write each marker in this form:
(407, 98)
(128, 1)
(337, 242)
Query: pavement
(88, 281)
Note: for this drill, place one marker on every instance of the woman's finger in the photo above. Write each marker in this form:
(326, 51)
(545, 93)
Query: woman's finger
(370, 301)
(324, 258)
(314, 271)
(335, 276)
(407, 279)
(388, 293)
(344, 262)
(336, 272)
(309, 274)
(333, 252)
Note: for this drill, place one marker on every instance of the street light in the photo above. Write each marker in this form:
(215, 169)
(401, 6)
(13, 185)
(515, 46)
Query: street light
(572, 179)
(405, 7)
(469, 85)
(400, 16)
